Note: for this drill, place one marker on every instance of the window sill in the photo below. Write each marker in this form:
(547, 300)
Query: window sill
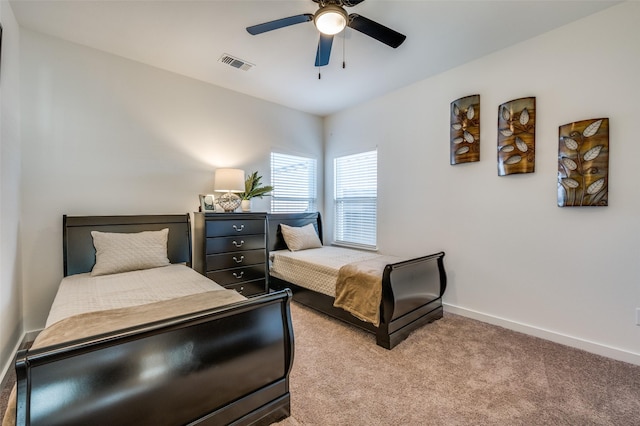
(354, 246)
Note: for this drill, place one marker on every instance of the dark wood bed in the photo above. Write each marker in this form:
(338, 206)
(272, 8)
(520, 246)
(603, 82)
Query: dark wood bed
(411, 290)
(237, 372)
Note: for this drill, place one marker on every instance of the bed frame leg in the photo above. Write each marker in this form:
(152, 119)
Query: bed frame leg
(390, 340)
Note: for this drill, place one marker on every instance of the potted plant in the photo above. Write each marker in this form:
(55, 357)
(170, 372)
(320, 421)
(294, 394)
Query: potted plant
(253, 189)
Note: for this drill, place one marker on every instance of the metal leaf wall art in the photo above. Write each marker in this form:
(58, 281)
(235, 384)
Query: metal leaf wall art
(465, 130)
(583, 163)
(517, 136)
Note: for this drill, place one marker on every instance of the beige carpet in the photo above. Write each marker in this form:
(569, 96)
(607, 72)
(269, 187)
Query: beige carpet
(455, 371)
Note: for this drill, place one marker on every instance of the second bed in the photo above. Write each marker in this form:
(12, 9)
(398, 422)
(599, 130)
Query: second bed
(386, 295)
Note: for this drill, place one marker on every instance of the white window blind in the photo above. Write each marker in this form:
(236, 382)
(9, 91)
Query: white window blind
(356, 192)
(294, 182)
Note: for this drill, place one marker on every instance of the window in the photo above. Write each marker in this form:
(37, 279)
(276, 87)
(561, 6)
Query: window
(356, 192)
(294, 183)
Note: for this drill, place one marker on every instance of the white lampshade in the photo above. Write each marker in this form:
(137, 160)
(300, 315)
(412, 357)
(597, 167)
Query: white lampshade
(330, 19)
(229, 180)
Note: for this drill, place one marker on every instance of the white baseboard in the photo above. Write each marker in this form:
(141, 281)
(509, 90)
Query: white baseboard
(9, 364)
(586, 345)
(26, 337)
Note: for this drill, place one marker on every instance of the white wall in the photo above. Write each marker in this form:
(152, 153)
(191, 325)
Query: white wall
(10, 295)
(513, 257)
(105, 135)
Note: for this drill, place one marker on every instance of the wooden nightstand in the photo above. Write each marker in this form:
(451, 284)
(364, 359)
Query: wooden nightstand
(231, 249)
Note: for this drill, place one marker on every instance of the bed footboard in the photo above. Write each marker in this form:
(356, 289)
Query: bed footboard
(411, 297)
(226, 365)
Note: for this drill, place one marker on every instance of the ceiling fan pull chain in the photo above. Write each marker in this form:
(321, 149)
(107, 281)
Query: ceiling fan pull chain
(319, 56)
(344, 49)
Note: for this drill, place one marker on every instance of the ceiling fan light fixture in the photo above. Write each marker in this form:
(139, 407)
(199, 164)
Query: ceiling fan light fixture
(330, 19)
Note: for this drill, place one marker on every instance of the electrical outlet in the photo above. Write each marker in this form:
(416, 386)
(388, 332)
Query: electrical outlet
(637, 316)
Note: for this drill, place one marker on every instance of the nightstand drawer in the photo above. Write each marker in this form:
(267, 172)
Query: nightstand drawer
(237, 275)
(235, 259)
(238, 243)
(250, 288)
(224, 228)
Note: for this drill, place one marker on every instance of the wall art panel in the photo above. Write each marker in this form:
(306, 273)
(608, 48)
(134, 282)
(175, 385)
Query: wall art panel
(517, 136)
(583, 163)
(465, 130)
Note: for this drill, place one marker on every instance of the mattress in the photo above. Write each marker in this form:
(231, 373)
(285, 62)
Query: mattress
(316, 269)
(83, 293)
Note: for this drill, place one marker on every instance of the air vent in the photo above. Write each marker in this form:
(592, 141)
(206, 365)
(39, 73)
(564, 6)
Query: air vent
(235, 62)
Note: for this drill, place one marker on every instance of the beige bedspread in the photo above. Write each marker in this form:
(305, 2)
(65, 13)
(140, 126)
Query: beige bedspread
(94, 323)
(359, 288)
(316, 269)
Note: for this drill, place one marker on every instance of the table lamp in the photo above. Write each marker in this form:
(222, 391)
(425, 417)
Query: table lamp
(229, 181)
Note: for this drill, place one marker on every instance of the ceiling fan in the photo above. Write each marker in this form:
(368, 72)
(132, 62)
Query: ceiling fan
(330, 19)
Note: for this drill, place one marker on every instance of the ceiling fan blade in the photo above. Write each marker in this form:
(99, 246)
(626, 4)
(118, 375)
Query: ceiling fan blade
(351, 3)
(279, 23)
(345, 3)
(378, 31)
(324, 50)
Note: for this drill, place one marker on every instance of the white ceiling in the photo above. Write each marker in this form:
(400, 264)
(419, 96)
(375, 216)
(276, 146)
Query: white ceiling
(188, 37)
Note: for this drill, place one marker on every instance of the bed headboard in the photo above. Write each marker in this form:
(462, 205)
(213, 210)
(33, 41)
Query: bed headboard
(79, 255)
(274, 234)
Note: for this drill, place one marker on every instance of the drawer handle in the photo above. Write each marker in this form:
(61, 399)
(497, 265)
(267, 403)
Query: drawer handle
(238, 275)
(241, 290)
(238, 229)
(238, 260)
(238, 245)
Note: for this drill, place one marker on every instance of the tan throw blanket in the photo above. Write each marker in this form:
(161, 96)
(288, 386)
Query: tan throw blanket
(94, 323)
(359, 288)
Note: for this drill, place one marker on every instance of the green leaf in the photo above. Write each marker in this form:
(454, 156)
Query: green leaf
(252, 188)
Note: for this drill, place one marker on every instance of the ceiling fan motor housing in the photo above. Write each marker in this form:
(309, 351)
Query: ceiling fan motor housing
(330, 19)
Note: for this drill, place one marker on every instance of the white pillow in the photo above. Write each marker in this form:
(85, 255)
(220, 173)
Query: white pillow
(122, 252)
(300, 238)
